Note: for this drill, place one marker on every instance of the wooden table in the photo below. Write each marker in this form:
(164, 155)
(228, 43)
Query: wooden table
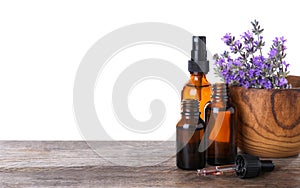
(75, 164)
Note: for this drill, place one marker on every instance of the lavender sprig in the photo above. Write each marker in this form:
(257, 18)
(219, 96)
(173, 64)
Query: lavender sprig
(244, 64)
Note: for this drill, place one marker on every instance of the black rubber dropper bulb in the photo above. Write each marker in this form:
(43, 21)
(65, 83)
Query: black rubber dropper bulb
(249, 166)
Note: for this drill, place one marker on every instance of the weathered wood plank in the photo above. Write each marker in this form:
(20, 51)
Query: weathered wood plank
(74, 164)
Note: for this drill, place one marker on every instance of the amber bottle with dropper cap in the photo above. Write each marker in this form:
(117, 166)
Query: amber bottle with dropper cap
(189, 133)
(221, 127)
(198, 86)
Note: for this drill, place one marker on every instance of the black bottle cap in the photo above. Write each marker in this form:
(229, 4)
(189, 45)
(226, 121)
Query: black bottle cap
(199, 62)
(249, 166)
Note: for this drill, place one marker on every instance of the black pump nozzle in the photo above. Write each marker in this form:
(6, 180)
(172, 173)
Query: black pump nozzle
(249, 166)
(198, 62)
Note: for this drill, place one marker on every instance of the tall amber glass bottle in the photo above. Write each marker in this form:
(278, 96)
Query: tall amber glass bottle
(198, 86)
(189, 133)
(221, 127)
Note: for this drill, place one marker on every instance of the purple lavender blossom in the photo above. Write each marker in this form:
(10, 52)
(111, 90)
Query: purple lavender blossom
(258, 62)
(247, 35)
(282, 39)
(257, 72)
(286, 65)
(253, 82)
(282, 81)
(260, 38)
(220, 62)
(241, 73)
(251, 73)
(246, 84)
(268, 84)
(227, 38)
(248, 69)
(237, 62)
(225, 72)
(237, 43)
(273, 53)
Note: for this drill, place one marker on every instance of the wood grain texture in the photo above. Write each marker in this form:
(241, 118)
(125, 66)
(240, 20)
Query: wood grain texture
(74, 164)
(269, 120)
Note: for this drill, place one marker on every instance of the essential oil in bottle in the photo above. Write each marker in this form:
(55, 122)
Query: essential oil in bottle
(221, 127)
(198, 86)
(189, 133)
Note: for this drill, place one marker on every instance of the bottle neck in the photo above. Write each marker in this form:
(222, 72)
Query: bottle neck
(197, 74)
(198, 78)
(190, 111)
(220, 94)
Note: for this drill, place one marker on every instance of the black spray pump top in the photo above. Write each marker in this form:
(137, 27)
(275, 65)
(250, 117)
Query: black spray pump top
(199, 62)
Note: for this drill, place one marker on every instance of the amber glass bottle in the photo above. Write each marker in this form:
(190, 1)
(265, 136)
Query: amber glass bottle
(189, 133)
(198, 86)
(221, 127)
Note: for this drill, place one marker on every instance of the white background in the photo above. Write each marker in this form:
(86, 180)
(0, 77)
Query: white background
(43, 42)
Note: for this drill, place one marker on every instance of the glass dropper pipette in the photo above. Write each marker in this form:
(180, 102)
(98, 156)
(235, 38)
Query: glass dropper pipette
(216, 170)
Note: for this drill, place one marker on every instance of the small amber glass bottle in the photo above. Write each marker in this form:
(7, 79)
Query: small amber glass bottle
(221, 127)
(189, 132)
(198, 87)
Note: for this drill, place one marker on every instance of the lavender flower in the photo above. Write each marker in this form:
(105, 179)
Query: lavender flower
(247, 36)
(273, 53)
(282, 81)
(242, 66)
(227, 38)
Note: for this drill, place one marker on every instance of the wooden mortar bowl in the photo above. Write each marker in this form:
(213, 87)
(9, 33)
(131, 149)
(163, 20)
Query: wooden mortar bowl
(269, 120)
